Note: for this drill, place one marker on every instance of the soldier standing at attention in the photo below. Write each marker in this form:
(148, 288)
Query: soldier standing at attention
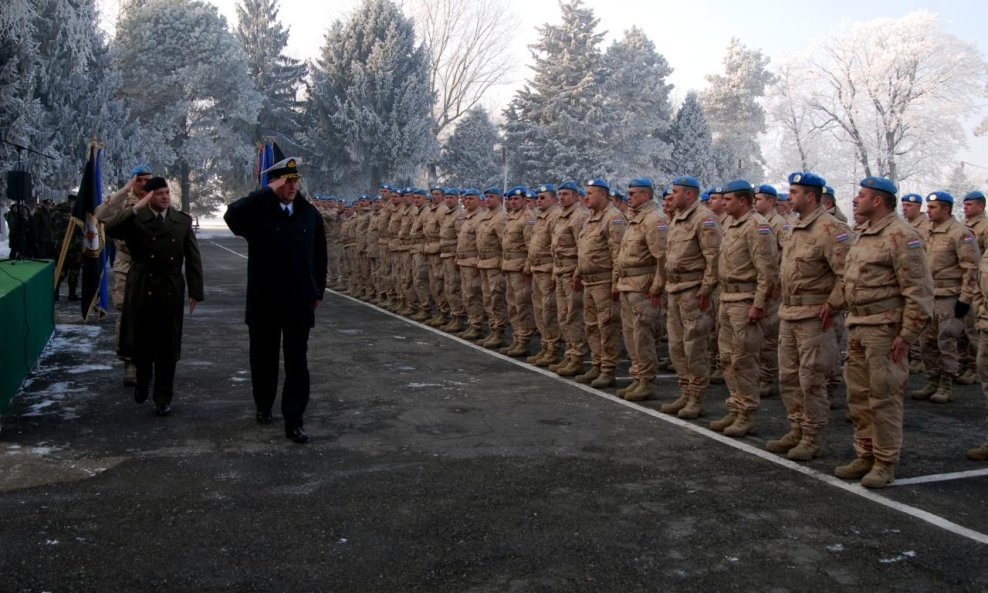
(888, 291)
(432, 227)
(596, 276)
(466, 259)
(691, 277)
(974, 219)
(73, 255)
(768, 365)
(641, 280)
(126, 197)
(449, 229)
(489, 231)
(383, 275)
(748, 270)
(519, 223)
(539, 267)
(569, 304)
(829, 201)
(417, 257)
(954, 257)
(160, 242)
(912, 212)
(812, 267)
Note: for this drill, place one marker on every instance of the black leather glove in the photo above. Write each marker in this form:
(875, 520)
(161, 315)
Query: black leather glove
(961, 309)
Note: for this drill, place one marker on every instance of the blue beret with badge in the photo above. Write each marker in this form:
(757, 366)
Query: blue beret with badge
(386, 186)
(616, 193)
(531, 194)
(451, 191)
(686, 181)
(738, 185)
(912, 198)
(569, 184)
(880, 183)
(142, 169)
(940, 196)
(581, 191)
(598, 183)
(716, 190)
(518, 190)
(471, 191)
(705, 196)
(547, 187)
(495, 190)
(436, 187)
(806, 178)
(828, 191)
(974, 195)
(640, 182)
(767, 188)
(418, 191)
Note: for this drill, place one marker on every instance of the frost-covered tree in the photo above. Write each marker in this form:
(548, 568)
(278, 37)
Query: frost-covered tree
(894, 93)
(734, 113)
(692, 146)
(185, 79)
(469, 156)
(370, 110)
(637, 107)
(958, 183)
(20, 112)
(556, 125)
(278, 77)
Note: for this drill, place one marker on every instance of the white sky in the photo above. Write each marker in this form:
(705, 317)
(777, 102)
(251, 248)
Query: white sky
(691, 35)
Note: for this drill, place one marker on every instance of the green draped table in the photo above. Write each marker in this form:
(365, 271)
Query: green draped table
(27, 320)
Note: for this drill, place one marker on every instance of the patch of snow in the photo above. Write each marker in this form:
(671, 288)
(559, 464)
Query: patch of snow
(421, 385)
(835, 548)
(349, 332)
(399, 337)
(898, 557)
(86, 368)
(51, 542)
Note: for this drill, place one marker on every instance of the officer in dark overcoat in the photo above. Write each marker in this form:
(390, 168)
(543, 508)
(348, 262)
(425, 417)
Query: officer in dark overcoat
(161, 243)
(286, 278)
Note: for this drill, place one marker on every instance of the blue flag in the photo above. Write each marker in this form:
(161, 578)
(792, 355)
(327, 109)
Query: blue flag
(94, 257)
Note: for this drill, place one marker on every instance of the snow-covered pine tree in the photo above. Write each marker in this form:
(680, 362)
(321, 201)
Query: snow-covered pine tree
(369, 114)
(20, 112)
(276, 76)
(185, 78)
(556, 126)
(734, 114)
(637, 107)
(469, 158)
(692, 147)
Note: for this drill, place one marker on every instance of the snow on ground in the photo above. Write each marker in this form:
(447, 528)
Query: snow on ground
(4, 248)
(212, 227)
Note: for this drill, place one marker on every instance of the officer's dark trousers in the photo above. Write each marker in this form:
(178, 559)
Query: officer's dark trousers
(154, 352)
(265, 344)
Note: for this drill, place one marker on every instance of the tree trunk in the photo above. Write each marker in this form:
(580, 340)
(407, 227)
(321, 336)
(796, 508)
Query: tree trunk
(186, 184)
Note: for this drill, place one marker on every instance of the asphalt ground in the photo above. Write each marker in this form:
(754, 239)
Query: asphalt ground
(436, 465)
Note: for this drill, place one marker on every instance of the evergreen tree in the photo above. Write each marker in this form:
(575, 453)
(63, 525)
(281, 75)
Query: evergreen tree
(20, 112)
(637, 99)
(958, 184)
(185, 78)
(733, 112)
(556, 127)
(469, 157)
(370, 110)
(692, 147)
(276, 76)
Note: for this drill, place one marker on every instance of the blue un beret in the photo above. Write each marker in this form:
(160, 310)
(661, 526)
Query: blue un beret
(940, 196)
(569, 184)
(435, 187)
(493, 190)
(912, 198)
(616, 193)
(686, 181)
(386, 186)
(547, 187)
(581, 191)
(471, 191)
(974, 195)
(806, 178)
(783, 196)
(418, 191)
(766, 188)
(451, 191)
(705, 196)
(829, 191)
(640, 182)
(880, 183)
(142, 169)
(531, 194)
(738, 185)
(518, 190)
(598, 183)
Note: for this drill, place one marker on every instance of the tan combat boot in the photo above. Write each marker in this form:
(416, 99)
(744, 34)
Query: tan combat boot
(535, 357)
(643, 391)
(968, 377)
(881, 475)
(454, 326)
(421, 316)
(551, 357)
(129, 374)
(518, 349)
(680, 402)
(570, 368)
(495, 340)
(786, 441)
(473, 333)
(720, 425)
(928, 391)
(915, 367)
(855, 470)
(694, 405)
(943, 393)
(979, 453)
(604, 379)
(626, 390)
(587, 377)
(437, 320)
(810, 446)
(741, 426)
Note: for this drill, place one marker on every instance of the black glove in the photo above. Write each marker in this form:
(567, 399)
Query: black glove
(961, 309)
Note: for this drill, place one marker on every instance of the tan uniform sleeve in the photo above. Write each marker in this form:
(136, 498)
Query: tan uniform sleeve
(656, 237)
(616, 224)
(109, 209)
(765, 258)
(836, 253)
(968, 257)
(912, 270)
(710, 237)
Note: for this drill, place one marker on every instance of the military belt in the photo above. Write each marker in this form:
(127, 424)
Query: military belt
(512, 255)
(489, 254)
(729, 287)
(466, 254)
(595, 277)
(877, 307)
(541, 259)
(796, 300)
(947, 283)
(675, 277)
(564, 261)
(628, 272)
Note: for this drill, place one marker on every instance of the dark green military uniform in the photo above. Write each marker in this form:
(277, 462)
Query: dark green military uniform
(73, 256)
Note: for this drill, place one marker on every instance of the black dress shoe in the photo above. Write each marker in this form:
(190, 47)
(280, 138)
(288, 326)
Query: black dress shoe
(163, 410)
(140, 394)
(298, 435)
(264, 417)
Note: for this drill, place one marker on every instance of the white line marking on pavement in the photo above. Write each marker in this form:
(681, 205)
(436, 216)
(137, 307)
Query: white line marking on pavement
(974, 473)
(850, 487)
(228, 249)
